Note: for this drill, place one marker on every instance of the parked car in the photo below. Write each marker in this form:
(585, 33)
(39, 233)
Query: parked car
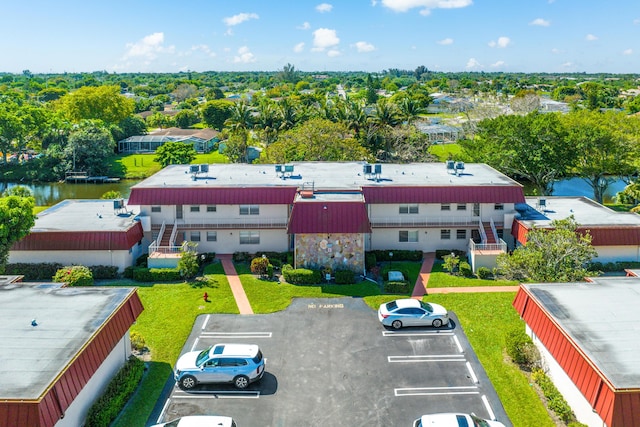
(239, 364)
(454, 420)
(412, 312)
(200, 421)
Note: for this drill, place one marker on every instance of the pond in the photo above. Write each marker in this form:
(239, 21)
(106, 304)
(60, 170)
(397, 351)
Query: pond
(580, 187)
(50, 193)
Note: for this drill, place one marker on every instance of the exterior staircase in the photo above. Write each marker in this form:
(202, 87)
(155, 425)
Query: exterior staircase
(166, 236)
(491, 238)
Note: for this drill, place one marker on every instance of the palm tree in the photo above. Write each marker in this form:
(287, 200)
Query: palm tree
(268, 121)
(288, 114)
(240, 121)
(385, 117)
(409, 109)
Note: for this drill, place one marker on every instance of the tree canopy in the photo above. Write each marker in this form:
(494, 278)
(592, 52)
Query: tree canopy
(556, 254)
(16, 219)
(175, 153)
(97, 103)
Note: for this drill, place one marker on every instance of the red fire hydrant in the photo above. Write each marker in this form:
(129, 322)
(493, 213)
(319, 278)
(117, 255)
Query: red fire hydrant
(205, 297)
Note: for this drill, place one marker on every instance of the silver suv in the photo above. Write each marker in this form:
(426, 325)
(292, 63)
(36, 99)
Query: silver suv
(239, 364)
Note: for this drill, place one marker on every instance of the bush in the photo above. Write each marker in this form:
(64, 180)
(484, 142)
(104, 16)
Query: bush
(32, 272)
(344, 277)
(101, 272)
(115, 397)
(141, 261)
(137, 341)
(260, 265)
(555, 401)
(156, 274)
(521, 349)
(74, 275)
(128, 272)
(441, 253)
(241, 257)
(464, 269)
(302, 276)
(370, 260)
(397, 287)
(484, 273)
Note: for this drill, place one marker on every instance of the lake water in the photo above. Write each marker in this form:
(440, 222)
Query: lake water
(48, 194)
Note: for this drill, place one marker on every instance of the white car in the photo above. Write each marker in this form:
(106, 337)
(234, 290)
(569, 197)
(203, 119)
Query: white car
(200, 421)
(412, 312)
(454, 420)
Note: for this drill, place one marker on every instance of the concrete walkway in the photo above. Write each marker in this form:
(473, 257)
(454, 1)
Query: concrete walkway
(234, 282)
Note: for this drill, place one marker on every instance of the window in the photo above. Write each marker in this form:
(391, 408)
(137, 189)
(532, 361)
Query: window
(156, 209)
(462, 206)
(498, 207)
(211, 208)
(408, 236)
(249, 210)
(194, 236)
(461, 234)
(194, 209)
(408, 209)
(445, 207)
(212, 236)
(249, 237)
(445, 234)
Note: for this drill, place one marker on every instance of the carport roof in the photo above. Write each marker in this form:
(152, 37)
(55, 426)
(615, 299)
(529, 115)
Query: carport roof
(602, 319)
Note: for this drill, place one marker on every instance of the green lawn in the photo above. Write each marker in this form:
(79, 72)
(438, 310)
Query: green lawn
(138, 166)
(439, 278)
(171, 309)
(444, 151)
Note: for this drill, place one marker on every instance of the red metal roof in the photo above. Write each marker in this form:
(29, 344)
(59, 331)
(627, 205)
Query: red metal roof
(600, 235)
(448, 194)
(81, 240)
(617, 408)
(212, 196)
(329, 217)
(47, 411)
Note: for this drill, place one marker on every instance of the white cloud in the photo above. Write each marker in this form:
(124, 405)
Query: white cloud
(239, 18)
(333, 52)
(473, 63)
(203, 48)
(540, 22)
(590, 38)
(636, 22)
(425, 6)
(324, 7)
(567, 65)
(555, 50)
(299, 47)
(497, 64)
(446, 41)
(324, 38)
(148, 47)
(374, 3)
(244, 56)
(364, 47)
(502, 42)
(305, 26)
(627, 52)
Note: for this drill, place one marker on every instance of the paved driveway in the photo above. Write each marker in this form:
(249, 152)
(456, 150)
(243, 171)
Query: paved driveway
(331, 363)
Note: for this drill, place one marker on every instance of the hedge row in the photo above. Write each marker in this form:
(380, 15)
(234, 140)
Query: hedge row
(613, 266)
(155, 274)
(118, 392)
(555, 400)
(397, 287)
(47, 270)
(398, 255)
(344, 277)
(302, 276)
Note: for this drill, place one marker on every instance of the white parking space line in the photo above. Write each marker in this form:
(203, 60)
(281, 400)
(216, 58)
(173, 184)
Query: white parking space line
(472, 373)
(164, 409)
(492, 416)
(206, 320)
(426, 358)
(208, 394)
(457, 341)
(195, 344)
(236, 335)
(435, 391)
(414, 334)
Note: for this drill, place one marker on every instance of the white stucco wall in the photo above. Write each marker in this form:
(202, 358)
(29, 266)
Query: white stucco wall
(428, 240)
(228, 241)
(580, 406)
(617, 253)
(120, 259)
(75, 415)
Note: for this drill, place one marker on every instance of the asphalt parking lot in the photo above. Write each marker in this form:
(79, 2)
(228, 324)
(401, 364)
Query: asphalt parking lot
(329, 362)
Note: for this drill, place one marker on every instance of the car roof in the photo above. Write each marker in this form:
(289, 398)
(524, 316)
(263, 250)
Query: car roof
(408, 302)
(449, 419)
(205, 421)
(243, 350)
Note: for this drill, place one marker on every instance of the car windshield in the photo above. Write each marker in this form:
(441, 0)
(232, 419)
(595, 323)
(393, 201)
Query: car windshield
(392, 306)
(173, 423)
(426, 306)
(258, 357)
(203, 356)
(479, 422)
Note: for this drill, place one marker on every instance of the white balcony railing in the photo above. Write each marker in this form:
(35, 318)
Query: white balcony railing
(422, 221)
(500, 246)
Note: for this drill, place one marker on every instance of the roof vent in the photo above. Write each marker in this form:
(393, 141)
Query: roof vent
(459, 168)
(451, 166)
(306, 192)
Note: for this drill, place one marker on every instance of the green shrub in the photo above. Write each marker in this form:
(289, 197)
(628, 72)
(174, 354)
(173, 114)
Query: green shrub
(128, 272)
(464, 269)
(441, 253)
(137, 341)
(397, 287)
(287, 267)
(241, 257)
(521, 349)
(156, 274)
(101, 272)
(32, 272)
(344, 277)
(74, 275)
(270, 270)
(370, 260)
(141, 261)
(259, 265)
(484, 273)
(302, 276)
(555, 401)
(118, 392)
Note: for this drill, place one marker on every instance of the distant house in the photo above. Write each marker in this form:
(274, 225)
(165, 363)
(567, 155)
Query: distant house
(83, 232)
(60, 349)
(203, 140)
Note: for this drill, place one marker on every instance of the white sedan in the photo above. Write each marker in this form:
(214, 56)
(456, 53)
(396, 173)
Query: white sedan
(200, 421)
(412, 312)
(454, 420)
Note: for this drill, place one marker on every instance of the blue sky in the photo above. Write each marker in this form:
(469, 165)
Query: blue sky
(341, 35)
